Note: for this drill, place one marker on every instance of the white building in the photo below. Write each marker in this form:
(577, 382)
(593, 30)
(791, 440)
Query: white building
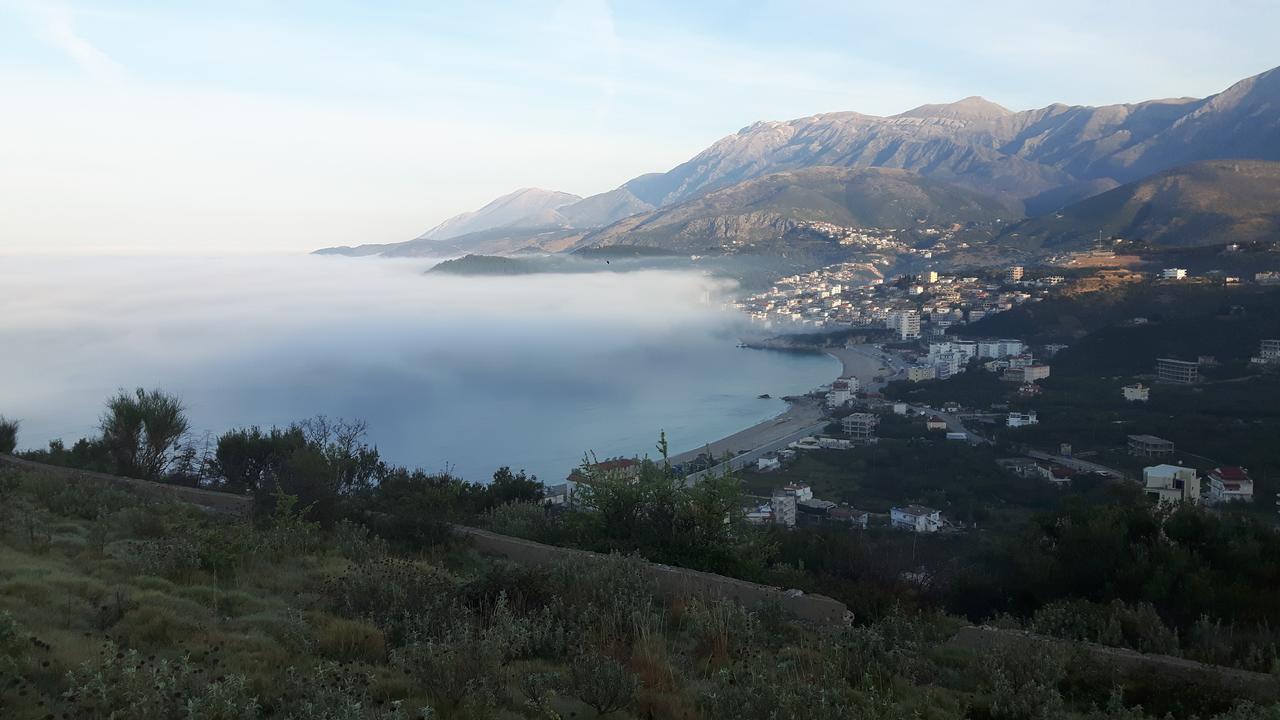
(1230, 484)
(768, 464)
(1136, 392)
(842, 391)
(1000, 348)
(906, 323)
(916, 518)
(1171, 483)
(1174, 274)
(1268, 353)
(783, 507)
(1017, 419)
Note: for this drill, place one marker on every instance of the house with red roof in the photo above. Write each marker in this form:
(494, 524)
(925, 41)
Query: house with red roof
(1230, 484)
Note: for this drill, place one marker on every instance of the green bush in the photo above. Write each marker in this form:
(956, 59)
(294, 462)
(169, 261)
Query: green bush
(350, 641)
(8, 434)
(601, 682)
(125, 684)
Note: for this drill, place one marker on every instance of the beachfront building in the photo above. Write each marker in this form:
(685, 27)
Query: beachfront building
(1149, 446)
(860, 427)
(1181, 372)
(1229, 484)
(768, 463)
(916, 518)
(1171, 484)
(842, 391)
(1136, 392)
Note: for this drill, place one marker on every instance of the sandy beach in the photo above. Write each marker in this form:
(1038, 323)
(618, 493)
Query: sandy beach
(864, 362)
(801, 414)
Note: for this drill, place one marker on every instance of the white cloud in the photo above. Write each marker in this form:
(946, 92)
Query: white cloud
(56, 25)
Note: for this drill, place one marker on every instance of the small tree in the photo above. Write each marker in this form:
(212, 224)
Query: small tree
(602, 683)
(8, 434)
(142, 431)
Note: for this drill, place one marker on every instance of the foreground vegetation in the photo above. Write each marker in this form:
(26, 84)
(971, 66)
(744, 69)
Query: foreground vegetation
(116, 604)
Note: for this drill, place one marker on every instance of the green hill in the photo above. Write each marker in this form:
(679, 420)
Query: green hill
(1206, 203)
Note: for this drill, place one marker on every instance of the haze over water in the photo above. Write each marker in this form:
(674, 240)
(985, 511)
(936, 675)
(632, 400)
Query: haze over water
(469, 373)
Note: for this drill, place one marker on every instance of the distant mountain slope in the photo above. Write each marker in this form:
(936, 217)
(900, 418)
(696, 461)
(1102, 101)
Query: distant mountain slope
(767, 207)
(1041, 155)
(1217, 201)
(527, 207)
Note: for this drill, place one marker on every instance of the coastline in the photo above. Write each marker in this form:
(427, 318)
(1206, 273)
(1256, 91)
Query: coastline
(803, 414)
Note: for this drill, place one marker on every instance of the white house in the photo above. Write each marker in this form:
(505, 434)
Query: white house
(1136, 392)
(768, 464)
(1230, 484)
(1171, 483)
(842, 391)
(784, 508)
(916, 518)
(1017, 419)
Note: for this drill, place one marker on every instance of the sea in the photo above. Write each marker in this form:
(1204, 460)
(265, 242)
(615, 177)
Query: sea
(450, 373)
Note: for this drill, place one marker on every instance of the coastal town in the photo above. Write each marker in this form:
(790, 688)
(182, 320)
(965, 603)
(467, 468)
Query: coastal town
(918, 331)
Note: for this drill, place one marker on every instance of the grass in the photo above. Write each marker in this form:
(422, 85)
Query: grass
(97, 617)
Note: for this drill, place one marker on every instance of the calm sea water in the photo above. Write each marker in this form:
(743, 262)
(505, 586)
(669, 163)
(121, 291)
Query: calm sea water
(465, 373)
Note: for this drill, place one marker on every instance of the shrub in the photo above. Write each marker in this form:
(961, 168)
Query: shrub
(175, 559)
(526, 520)
(723, 629)
(387, 591)
(350, 640)
(80, 496)
(331, 691)
(124, 684)
(356, 543)
(601, 682)
(1022, 682)
(463, 668)
(8, 434)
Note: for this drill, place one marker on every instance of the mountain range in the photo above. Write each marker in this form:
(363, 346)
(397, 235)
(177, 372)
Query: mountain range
(948, 163)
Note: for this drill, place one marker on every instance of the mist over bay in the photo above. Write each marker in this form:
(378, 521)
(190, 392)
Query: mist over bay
(466, 373)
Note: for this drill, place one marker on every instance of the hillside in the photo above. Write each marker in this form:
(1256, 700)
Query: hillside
(1043, 156)
(1212, 202)
(766, 208)
(527, 207)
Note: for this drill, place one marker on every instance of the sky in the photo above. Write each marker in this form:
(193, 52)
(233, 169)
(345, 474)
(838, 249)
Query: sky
(252, 126)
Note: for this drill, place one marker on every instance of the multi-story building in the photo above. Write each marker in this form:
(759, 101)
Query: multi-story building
(1136, 392)
(906, 323)
(1149, 446)
(916, 518)
(1182, 372)
(1013, 274)
(1000, 348)
(842, 391)
(1230, 484)
(1171, 484)
(1174, 274)
(1268, 353)
(860, 427)
(920, 373)
(783, 507)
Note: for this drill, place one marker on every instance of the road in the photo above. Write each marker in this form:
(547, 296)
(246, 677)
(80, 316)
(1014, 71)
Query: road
(1077, 464)
(749, 457)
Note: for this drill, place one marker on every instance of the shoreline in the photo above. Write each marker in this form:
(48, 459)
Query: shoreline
(804, 413)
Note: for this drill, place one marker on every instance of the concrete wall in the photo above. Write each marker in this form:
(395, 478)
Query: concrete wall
(1254, 686)
(671, 581)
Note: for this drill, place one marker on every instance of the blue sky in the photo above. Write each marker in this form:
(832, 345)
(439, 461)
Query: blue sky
(283, 126)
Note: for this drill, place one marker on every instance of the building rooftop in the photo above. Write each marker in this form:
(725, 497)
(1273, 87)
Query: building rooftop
(916, 510)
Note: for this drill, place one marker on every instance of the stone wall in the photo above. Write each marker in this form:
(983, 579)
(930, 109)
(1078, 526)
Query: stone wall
(671, 581)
